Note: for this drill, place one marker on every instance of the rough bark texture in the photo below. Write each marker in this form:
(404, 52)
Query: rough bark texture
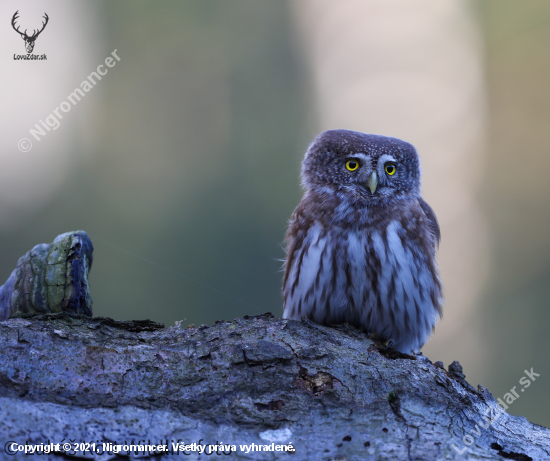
(330, 391)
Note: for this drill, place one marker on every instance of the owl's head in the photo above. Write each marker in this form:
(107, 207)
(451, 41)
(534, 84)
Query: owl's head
(372, 166)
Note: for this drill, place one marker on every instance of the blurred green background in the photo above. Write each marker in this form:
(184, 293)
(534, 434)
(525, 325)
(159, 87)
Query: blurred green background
(183, 163)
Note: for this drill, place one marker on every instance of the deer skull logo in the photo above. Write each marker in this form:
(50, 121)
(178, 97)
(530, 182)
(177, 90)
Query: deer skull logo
(29, 39)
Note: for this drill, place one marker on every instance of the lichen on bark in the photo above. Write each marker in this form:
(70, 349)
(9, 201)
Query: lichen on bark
(50, 278)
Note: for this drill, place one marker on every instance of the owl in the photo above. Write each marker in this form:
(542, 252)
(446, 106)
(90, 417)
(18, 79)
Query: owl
(360, 246)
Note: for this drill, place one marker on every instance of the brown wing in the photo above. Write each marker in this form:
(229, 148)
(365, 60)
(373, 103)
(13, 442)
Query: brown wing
(297, 230)
(434, 225)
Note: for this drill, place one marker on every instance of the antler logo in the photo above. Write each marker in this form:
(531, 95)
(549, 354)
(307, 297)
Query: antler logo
(29, 39)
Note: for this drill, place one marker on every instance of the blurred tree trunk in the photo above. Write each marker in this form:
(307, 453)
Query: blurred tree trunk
(330, 392)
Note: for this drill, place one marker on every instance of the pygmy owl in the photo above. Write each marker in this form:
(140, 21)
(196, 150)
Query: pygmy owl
(360, 247)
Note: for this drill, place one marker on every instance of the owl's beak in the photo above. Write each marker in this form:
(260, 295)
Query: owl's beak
(372, 182)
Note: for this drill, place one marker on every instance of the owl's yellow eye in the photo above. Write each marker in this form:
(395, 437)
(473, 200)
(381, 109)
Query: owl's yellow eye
(390, 168)
(352, 165)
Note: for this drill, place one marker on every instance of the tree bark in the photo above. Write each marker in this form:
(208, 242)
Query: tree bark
(331, 393)
(315, 392)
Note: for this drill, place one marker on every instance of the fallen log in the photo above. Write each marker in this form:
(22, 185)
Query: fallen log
(256, 387)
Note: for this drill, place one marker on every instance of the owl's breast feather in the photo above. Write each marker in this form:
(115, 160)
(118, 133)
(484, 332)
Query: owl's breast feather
(381, 279)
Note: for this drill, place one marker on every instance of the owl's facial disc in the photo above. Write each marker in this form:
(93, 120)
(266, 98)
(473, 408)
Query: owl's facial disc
(380, 179)
(372, 168)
